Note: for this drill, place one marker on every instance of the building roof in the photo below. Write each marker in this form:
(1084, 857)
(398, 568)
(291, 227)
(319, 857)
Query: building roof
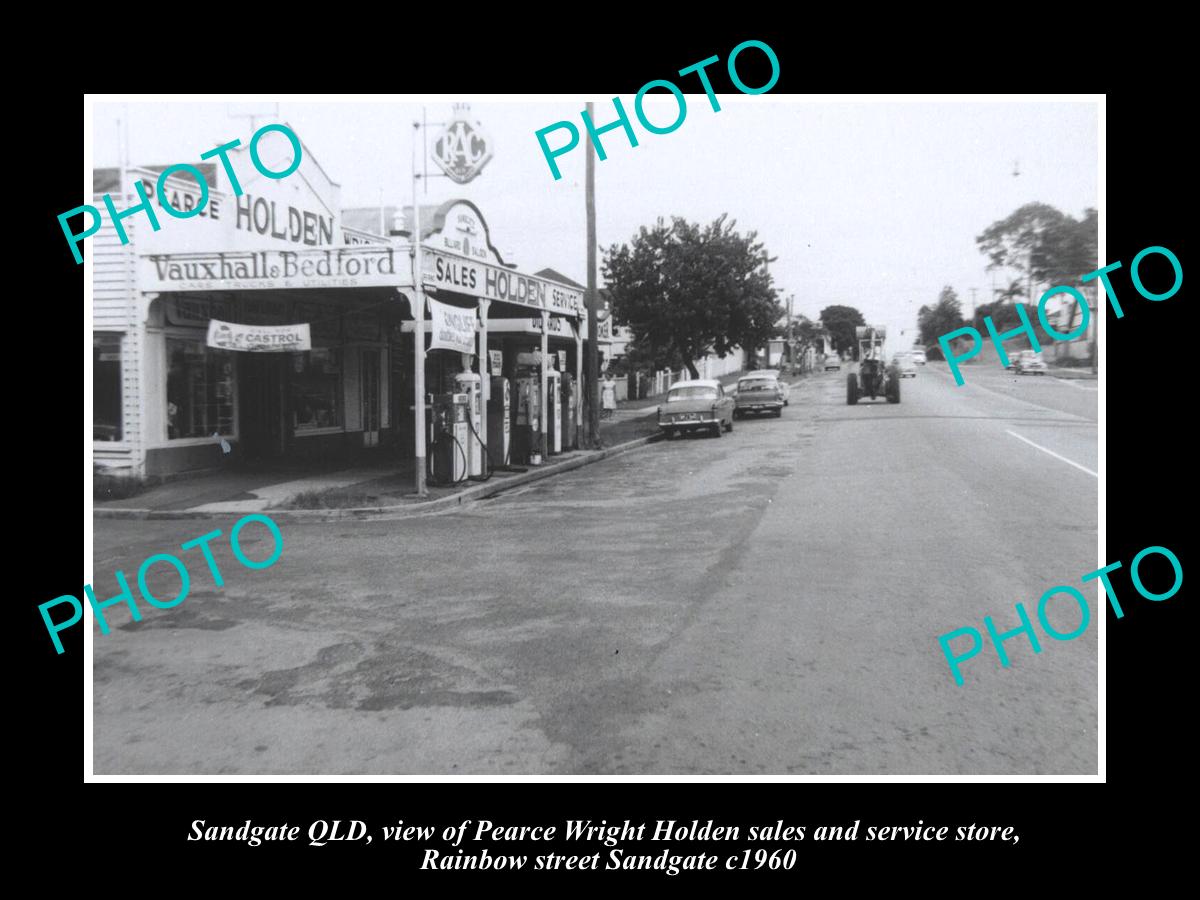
(107, 180)
(697, 382)
(366, 218)
(555, 275)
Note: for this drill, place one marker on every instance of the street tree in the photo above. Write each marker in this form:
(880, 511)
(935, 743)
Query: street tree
(940, 318)
(1042, 244)
(803, 330)
(1004, 317)
(686, 290)
(1010, 294)
(840, 322)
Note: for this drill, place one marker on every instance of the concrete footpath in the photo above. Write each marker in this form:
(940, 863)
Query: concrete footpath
(373, 487)
(171, 501)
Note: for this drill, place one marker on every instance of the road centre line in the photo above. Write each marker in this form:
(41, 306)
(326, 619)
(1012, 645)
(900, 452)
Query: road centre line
(1052, 453)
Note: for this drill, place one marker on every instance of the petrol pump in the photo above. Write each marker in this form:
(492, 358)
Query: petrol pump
(449, 435)
(499, 425)
(570, 400)
(527, 410)
(468, 383)
(554, 432)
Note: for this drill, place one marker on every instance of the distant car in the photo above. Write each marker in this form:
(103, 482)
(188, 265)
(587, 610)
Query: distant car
(759, 393)
(1030, 363)
(833, 362)
(918, 356)
(904, 362)
(695, 406)
(783, 385)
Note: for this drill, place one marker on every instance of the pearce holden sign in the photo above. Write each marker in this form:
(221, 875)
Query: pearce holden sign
(359, 266)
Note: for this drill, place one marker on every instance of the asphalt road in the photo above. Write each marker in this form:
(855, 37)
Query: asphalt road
(764, 603)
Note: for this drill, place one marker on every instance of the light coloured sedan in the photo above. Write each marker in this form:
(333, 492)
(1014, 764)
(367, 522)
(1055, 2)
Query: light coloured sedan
(778, 376)
(758, 392)
(833, 361)
(904, 361)
(918, 356)
(1030, 363)
(700, 405)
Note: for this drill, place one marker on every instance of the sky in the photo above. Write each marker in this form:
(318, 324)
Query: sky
(871, 204)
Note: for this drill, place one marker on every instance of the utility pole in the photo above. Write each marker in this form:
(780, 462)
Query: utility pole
(593, 354)
(791, 331)
(973, 290)
(418, 313)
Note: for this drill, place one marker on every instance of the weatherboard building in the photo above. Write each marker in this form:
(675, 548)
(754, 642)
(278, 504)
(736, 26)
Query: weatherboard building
(272, 324)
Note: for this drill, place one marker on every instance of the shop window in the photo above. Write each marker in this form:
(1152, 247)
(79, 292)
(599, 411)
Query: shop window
(199, 389)
(315, 389)
(106, 387)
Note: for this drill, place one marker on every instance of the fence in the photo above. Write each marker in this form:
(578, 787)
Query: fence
(641, 385)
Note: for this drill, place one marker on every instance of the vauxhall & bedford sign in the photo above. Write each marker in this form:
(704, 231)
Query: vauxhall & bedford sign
(358, 266)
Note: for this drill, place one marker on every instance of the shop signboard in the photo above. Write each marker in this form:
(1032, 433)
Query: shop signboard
(294, 213)
(196, 310)
(463, 231)
(555, 325)
(480, 279)
(258, 338)
(358, 266)
(451, 328)
(496, 361)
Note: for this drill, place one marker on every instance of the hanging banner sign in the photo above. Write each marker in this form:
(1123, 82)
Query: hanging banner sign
(562, 360)
(496, 358)
(258, 338)
(451, 328)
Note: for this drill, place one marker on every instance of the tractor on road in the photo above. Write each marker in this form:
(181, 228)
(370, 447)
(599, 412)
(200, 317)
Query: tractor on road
(872, 376)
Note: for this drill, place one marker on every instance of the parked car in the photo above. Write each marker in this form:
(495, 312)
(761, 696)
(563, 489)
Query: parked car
(783, 385)
(918, 355)
(1030, 362)
(904, 361)
(696, 405)
(758, 393)
(833, 362)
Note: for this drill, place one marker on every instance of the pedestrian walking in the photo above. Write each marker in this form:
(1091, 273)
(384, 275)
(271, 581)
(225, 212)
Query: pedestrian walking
(608, 395)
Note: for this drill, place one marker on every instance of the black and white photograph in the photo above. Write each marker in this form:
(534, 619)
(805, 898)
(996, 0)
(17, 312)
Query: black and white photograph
(699, 432)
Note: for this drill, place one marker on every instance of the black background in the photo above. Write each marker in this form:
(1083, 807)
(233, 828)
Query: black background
(1151, 364)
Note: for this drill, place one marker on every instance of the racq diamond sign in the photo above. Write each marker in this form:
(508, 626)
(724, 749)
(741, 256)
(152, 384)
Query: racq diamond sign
(463, 148)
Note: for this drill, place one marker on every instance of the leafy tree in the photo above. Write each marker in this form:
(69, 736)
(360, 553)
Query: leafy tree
(806, 332)
(1043, 244)
(944, 316)
(687, 290)
(1004, 318)
(803, 330)
(1069, 251)
(839, 322)
(1015, 289)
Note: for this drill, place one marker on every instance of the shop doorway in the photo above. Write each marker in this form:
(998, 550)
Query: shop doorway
(261, 405)
(369, 379)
